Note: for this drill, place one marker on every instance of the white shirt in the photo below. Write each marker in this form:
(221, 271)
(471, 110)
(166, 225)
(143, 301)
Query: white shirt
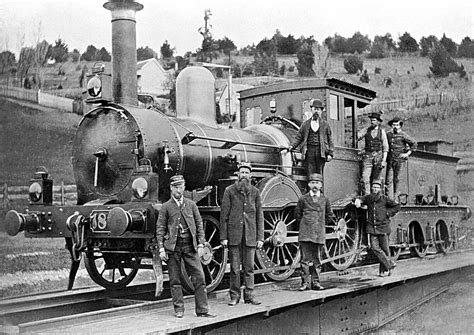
(313, 194)
(179, 202)
(315, 125)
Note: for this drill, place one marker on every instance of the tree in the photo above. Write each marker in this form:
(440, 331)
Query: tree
(407, 43)
(103, 55)
(266, 47)
(75, 55)
(466, 48)
(450, 46)
(337, 44)
(322, 60)
(352, 64)
(442, 63)
(7, 61)
(427, 44)
(25, 62)
(226, 46)
(144, 53)
(265, 62)
(59, 51)
(358, 43)
(287, 45)
(166, 50)
(305, 61)
(382, 46)
(90, 54)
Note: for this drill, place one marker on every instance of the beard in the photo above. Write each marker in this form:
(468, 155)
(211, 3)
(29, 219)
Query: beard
(244, 184)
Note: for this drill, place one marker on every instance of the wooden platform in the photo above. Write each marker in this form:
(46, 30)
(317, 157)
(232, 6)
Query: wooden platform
(352, 302)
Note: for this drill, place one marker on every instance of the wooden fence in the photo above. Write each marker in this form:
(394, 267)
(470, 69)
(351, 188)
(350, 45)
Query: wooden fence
(15, 196)
(409, 103)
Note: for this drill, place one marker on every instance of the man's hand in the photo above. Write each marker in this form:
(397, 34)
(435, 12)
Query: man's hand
(224, 243)
(200, 250)
(328, 158)
(404, 155)
(357, 203)
(163, 255)
(259, 244)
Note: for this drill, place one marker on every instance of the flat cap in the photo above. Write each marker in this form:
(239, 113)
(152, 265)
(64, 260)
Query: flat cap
(176, 180)
(315, 177)
(377, 181)
(245, 165)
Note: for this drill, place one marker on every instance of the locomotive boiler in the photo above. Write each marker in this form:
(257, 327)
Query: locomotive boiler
(124, 155)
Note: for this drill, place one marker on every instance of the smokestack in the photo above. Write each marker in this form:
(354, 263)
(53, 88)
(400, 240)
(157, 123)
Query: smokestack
(124, 50)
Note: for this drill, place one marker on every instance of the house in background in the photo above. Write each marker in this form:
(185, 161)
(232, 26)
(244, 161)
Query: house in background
(152, 77)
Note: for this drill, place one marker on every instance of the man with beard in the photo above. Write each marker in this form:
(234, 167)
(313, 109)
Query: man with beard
(376, 150)
(380, 209)
(401, 145)
(180, 236)
(241, 229)
(313, 212)
(315, 138)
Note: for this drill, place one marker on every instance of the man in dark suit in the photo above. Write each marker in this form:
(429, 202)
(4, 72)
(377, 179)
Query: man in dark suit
(241, 229)
(180, 235)
(313, 212)
(315, 139)
(380, 209)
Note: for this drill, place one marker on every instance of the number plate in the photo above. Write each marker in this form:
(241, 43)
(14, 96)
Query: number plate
(99, 221)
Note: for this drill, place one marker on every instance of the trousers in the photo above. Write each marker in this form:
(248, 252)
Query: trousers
(371, 169)
(379, 244)
(311, 261)
(314, 161)
(242, 254)
(184, 251)
(392, 177)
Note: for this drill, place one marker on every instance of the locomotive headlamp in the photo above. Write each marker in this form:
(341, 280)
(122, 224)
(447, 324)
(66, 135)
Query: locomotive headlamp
(273, 106)
(35, 192)
(94, 86)
(140, 188)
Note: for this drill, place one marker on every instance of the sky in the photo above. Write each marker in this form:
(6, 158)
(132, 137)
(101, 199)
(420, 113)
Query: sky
(85, 22)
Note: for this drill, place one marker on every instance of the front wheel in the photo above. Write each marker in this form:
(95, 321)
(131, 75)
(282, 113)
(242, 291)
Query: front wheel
(110, 270)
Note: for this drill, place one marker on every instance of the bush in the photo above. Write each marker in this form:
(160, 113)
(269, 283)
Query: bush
(442, 63)
(352, 64)
(291, 68)
(365, 77)
(378, 70)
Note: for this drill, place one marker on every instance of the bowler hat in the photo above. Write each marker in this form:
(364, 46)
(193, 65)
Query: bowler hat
(245, 165)
(377, 115)
(395, 119)
(176, 180)
(315, 177)
(316, 103)
(377, 181)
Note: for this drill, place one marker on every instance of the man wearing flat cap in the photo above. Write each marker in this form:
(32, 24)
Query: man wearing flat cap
(315, 139)
(313, 212)
(180, 235)
(380, 209)
(241, 229)
(376, 150)
(401, 145)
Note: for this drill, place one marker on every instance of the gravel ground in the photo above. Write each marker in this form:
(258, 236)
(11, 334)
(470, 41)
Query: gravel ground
(451, 312)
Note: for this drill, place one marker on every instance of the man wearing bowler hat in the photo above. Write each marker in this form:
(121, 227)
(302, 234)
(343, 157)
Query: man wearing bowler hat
(180, 235)
(401, 145)
(376, 150)
(315, 139)
(242, 231)
(380, 209)
(313, 212)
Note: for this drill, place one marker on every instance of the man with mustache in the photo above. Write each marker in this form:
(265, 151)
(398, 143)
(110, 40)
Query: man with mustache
(313, 211)
(180, 236)
(241, 229)
(380, 209)
(401, 145)
(376, 150)
(315, 139)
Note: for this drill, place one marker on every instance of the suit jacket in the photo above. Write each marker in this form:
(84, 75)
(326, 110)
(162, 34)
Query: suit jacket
(379, 211)
(325, 138)
(168, 220)
(312, 217)
(241, 211)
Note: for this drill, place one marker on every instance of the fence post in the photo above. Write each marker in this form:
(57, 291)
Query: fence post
(62, 193)
(6, 201)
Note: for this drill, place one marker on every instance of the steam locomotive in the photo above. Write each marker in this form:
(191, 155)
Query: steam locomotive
(124, 155)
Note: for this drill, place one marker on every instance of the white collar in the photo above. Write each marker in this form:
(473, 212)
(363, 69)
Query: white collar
(179, 201)
(318, 194)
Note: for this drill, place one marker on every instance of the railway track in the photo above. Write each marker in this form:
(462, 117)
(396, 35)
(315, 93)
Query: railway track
(34, 312)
